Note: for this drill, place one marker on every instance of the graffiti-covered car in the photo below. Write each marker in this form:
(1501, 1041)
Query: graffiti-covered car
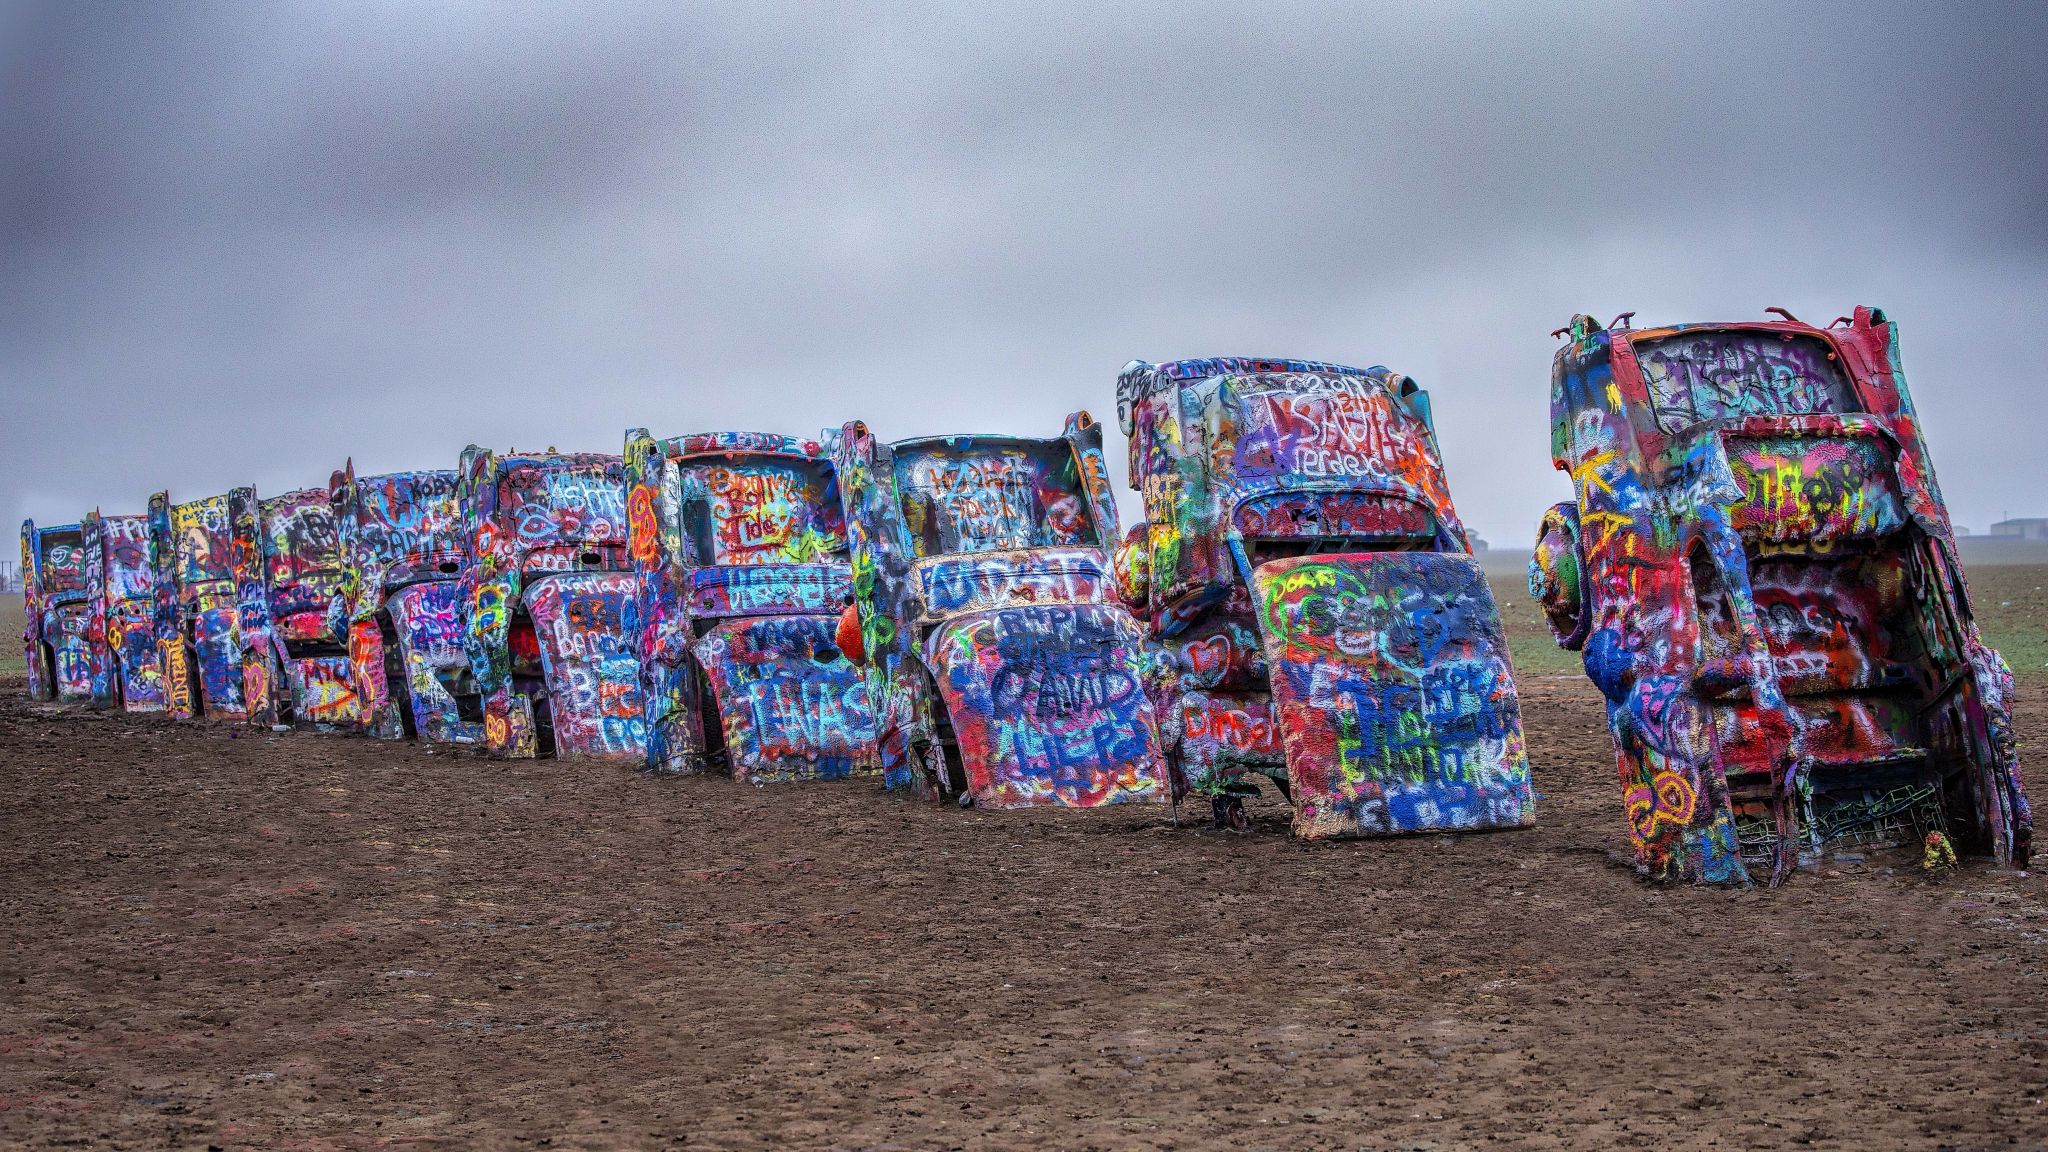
(120, 579)
(401, 606)
(295, 667)
(553, 604)
(1303, 562)
(1760, 574)
(198, 630)
(56, 635)
(1003, 671)
(740, 542)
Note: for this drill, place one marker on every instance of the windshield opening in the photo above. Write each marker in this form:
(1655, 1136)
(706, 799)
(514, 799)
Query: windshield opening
(761, 510)
(63, 561)
(302, 538)
(1699, 376)
(199, 532)
(412, 514)
(543, 506)
(125, 540)
(993, 499)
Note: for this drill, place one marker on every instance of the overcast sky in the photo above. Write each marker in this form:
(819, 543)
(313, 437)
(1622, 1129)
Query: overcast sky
(239, 243)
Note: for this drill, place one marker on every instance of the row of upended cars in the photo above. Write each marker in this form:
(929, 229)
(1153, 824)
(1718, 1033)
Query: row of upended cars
(1757, 568)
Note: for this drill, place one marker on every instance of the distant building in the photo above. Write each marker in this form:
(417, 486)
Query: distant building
(1477, 541)
(1959, 530)
(2026, 528)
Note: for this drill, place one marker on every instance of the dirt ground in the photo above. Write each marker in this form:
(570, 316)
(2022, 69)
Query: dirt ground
(233, 939)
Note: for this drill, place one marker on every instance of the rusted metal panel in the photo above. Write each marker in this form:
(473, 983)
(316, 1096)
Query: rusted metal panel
(553, 604)
(740, 542)
(120, 577)
(173, 654)
(198, 628)
(261, 684)
(1047, 704)
(1303, 562)
(39, 676)
(289, 576)
(428, 625)
(62, 659)
(92, 561)
(1762, 578)
(1393, 693)
(1002, 669)
(404, 546)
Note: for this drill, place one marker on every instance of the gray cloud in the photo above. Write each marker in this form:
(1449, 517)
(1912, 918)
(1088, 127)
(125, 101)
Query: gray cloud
(239, 243)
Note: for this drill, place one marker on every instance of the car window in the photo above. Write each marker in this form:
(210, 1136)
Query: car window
(1716, 374)
(63, 562)
(762, 510)
(992, 498)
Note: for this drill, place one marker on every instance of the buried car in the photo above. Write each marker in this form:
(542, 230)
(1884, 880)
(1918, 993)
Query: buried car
(1302, 561)
(1002, 670)
(553, 604)
(1760, 574)
(198, 630)
(740, 542)
(403, 547)
(56, 635)
(295, 667)
(120, 581)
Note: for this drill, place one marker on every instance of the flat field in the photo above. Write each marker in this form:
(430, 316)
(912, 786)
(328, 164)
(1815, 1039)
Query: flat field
(11, 622)
(218, 937)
